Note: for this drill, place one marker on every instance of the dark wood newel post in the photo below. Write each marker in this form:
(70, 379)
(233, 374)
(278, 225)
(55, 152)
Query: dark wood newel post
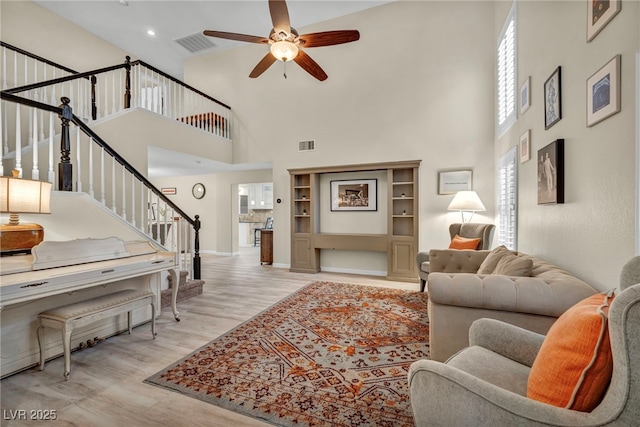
(94, 108)
(65, 168)
(196, 245)
(127, 83)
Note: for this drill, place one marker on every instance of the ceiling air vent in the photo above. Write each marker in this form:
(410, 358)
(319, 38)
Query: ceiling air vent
(195, 42)
(307, 145)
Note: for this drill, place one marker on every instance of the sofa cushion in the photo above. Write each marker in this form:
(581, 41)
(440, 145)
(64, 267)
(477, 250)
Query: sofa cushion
(574, 365)
(490, 262)
(514, 265)
(464, 243)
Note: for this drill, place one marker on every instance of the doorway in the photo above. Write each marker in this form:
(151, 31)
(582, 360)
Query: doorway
(254, 210)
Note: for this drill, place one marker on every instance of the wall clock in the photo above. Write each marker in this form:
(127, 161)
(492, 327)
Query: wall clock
(198, 191)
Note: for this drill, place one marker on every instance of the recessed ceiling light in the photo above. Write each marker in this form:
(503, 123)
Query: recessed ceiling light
(151, 32)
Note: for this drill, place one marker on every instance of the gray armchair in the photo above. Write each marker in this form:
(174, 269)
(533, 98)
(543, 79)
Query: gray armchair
(484, 232)
(489, 378)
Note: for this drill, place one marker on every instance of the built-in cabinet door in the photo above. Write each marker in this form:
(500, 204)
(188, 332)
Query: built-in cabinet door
(302, 254)
(402, 258)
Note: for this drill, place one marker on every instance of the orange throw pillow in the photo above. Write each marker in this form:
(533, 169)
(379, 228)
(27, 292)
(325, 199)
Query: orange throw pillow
(464, 243)
(573, 367)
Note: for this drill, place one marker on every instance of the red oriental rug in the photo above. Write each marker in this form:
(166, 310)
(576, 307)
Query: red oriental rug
(329, 354)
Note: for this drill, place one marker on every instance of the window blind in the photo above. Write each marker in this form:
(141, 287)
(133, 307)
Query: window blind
(508, 199)
(506, 75)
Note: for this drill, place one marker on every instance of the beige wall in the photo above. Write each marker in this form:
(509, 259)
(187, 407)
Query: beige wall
(417, 85)
(26, 25)
(592, 234)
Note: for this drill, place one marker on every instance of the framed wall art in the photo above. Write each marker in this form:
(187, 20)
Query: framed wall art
(603, 92)
(450, 182)
(525, 146)
(551, 173)
(552, 99)
(599, 13)
(169, 191)
(354, 195)
(525, 95)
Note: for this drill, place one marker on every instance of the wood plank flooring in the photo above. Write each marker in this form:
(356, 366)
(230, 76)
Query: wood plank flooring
(106, 386)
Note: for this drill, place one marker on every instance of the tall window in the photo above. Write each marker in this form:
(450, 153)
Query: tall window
(508, 199)
(506, 66)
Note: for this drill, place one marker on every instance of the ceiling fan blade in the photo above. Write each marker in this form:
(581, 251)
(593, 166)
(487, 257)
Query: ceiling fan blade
(263, 65)
(329, 38)
(280, 16)
(236, 36)
(310, 66)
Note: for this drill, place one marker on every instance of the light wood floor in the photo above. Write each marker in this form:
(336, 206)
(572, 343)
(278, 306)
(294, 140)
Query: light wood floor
(106, 386)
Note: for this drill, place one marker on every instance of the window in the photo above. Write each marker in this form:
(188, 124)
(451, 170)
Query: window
(508, 199)
(506, 67)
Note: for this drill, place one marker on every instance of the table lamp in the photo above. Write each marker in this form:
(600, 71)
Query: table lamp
(466, 201)
(22, 196)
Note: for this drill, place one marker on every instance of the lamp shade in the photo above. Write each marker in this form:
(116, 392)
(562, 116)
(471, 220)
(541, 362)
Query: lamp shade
(24, 196)
(466, 201)
(284, 50)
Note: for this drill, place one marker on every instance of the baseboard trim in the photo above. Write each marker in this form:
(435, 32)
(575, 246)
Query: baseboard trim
(353, 271)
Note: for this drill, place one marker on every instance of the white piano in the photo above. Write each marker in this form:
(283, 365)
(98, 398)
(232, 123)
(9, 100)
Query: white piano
(61, 273)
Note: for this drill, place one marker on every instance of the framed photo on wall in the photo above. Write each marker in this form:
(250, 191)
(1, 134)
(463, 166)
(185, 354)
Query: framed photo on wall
(525, 95)
(354, 195)
(603, 92)
(450, 182)
(552, 99)
(551, 173)
(525, 146)
(599, 14)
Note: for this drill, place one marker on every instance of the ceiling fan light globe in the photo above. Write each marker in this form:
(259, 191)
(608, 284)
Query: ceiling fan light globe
(284, 50)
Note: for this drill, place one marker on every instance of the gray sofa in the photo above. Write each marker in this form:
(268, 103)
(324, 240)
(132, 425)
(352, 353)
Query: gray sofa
(458, 296)
(485, 384)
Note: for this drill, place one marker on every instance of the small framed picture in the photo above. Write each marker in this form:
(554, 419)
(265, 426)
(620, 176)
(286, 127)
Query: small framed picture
(525, 95)
(603, 92)
(169, 191)
(552, 99)
(599, 14)
(354, 195)
(450, 182)
(551, 173)
(525, 146)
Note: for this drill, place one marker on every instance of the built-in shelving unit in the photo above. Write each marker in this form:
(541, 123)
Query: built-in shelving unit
(400, 242)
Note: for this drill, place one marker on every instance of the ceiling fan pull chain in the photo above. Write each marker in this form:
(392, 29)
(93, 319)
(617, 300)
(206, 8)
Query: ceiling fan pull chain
(285, 70)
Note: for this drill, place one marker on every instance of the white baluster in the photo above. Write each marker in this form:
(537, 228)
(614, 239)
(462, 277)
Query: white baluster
(121, 91)
(91, 193)
(51, 176)
(103, 200)
(26, 67)
(15, 69)
(133, 200)
(30, 126)
(113, 184)
(106, 96)
(5, 134)
(124, 193)
(78, 161)
(35, 173)
(4, 68)
(54, 101)
(144, 199)
(18, 142)
(113, 92)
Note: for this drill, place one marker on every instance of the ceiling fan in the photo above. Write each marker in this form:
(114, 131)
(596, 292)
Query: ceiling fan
(286, 44)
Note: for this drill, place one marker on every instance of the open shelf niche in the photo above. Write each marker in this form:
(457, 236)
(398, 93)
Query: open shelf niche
(401, 240)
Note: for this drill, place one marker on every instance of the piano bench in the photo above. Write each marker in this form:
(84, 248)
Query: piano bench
(83, 313)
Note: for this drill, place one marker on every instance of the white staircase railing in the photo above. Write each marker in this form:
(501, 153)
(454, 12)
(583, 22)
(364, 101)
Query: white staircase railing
(88, 164)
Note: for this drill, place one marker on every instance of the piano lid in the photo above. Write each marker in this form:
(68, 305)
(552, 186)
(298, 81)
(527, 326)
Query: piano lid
(53, 254)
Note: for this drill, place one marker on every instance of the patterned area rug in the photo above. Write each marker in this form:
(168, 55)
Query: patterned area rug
(329, 354)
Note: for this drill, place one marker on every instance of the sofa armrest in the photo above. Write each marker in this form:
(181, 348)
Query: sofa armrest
(507, 293)
(455, 260)
(439, 391)
(499, 337)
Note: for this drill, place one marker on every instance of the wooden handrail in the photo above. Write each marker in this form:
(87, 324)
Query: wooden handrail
(39, 58)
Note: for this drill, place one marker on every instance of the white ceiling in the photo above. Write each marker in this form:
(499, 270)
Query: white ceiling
(125, 24)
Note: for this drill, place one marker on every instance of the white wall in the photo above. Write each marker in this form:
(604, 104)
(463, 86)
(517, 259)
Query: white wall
(417, 85)
(592, 233)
